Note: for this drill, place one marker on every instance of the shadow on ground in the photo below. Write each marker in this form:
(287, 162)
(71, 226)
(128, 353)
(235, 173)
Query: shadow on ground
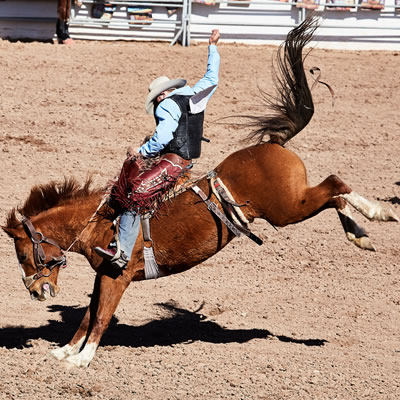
(394, 200)
(179, 326)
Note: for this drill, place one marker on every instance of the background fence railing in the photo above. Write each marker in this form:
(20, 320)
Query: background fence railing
(183, 21)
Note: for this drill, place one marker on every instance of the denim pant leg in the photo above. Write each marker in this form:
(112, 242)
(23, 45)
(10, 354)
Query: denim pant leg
(128, 231)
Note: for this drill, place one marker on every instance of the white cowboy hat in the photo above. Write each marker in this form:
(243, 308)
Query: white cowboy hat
(158, 86)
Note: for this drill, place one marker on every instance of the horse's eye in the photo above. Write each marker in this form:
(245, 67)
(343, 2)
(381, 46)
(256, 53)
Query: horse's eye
(22, 257)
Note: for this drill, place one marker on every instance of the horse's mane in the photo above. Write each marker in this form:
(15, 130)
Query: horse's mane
(46, 196)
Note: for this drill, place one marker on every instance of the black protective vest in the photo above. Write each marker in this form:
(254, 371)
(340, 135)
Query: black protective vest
(187, 137)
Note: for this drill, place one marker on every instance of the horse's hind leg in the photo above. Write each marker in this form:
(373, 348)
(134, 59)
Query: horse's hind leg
(370, 209)
(354, 233)
(337, 194)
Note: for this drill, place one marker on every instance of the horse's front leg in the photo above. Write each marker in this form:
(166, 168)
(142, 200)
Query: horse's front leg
(75, 344)
(110, 291)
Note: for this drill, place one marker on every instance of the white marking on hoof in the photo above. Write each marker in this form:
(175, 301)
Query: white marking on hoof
(356, 234)
(83, 358)
(391, 215)
(61, 353)
(363, 242)
(74, 361)
(370, 209)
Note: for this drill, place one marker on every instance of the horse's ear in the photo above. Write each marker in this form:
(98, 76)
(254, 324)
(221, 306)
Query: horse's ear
(13, 226)
(10, 232)
(14, 233)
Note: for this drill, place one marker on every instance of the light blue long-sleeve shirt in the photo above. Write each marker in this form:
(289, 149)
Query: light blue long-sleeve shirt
(168, 112)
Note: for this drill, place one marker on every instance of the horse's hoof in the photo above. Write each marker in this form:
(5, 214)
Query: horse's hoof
(390, 215)
(73, 361)
(76, 360)
(58, 354)
(68, 365)
(363, 242)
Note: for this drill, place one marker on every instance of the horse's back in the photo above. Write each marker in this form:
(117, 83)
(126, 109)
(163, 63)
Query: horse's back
(268, 176)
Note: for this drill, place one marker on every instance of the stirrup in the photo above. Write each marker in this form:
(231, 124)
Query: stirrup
(121, 262)
(104, 254)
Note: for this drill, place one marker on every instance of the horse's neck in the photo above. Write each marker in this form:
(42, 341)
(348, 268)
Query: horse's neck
(66, 223)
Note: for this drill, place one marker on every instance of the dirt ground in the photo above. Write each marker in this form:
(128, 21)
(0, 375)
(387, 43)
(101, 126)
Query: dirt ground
(306, 316)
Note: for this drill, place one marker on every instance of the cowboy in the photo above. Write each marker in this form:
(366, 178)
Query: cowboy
(179, 111)
(63, 16)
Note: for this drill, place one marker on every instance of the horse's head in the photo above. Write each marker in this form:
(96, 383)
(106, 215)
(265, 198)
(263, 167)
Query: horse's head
(39, 259)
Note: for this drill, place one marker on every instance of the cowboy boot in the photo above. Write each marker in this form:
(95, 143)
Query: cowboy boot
(117, 258)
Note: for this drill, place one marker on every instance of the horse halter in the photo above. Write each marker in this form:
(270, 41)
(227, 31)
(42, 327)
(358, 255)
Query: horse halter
(39, 255)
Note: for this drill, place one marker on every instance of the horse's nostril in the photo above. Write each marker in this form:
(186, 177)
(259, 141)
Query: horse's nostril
(34, 294)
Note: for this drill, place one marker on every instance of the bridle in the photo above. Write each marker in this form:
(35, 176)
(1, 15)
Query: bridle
(39, 255)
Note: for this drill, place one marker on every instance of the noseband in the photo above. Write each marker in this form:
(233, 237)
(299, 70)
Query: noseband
(39, 255)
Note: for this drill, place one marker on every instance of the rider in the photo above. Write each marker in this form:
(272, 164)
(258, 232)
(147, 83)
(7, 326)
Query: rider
(62, 26)
(177, 139)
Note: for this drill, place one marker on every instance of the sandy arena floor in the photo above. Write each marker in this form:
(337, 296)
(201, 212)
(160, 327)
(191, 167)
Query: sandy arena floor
(306, 316)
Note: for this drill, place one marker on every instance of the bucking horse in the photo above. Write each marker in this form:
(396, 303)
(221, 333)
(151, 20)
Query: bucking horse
(266, 179)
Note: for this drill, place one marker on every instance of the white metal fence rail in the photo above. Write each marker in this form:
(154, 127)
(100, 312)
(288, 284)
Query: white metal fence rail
(259, 21)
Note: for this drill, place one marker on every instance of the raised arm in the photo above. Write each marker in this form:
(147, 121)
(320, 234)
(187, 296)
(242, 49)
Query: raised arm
(211, 76)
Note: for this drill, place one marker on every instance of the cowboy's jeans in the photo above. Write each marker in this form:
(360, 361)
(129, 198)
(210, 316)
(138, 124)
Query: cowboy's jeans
(129, 224)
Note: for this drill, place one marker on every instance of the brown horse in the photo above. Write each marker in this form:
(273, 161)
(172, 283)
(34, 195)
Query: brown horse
(270, 179)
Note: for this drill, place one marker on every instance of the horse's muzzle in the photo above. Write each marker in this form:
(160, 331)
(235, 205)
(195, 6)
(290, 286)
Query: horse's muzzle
(42, 292)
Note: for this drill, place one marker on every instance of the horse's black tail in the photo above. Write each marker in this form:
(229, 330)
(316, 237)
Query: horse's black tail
(293, 107)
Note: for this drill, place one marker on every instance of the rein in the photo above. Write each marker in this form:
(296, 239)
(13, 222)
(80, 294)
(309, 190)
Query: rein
(39, 255)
